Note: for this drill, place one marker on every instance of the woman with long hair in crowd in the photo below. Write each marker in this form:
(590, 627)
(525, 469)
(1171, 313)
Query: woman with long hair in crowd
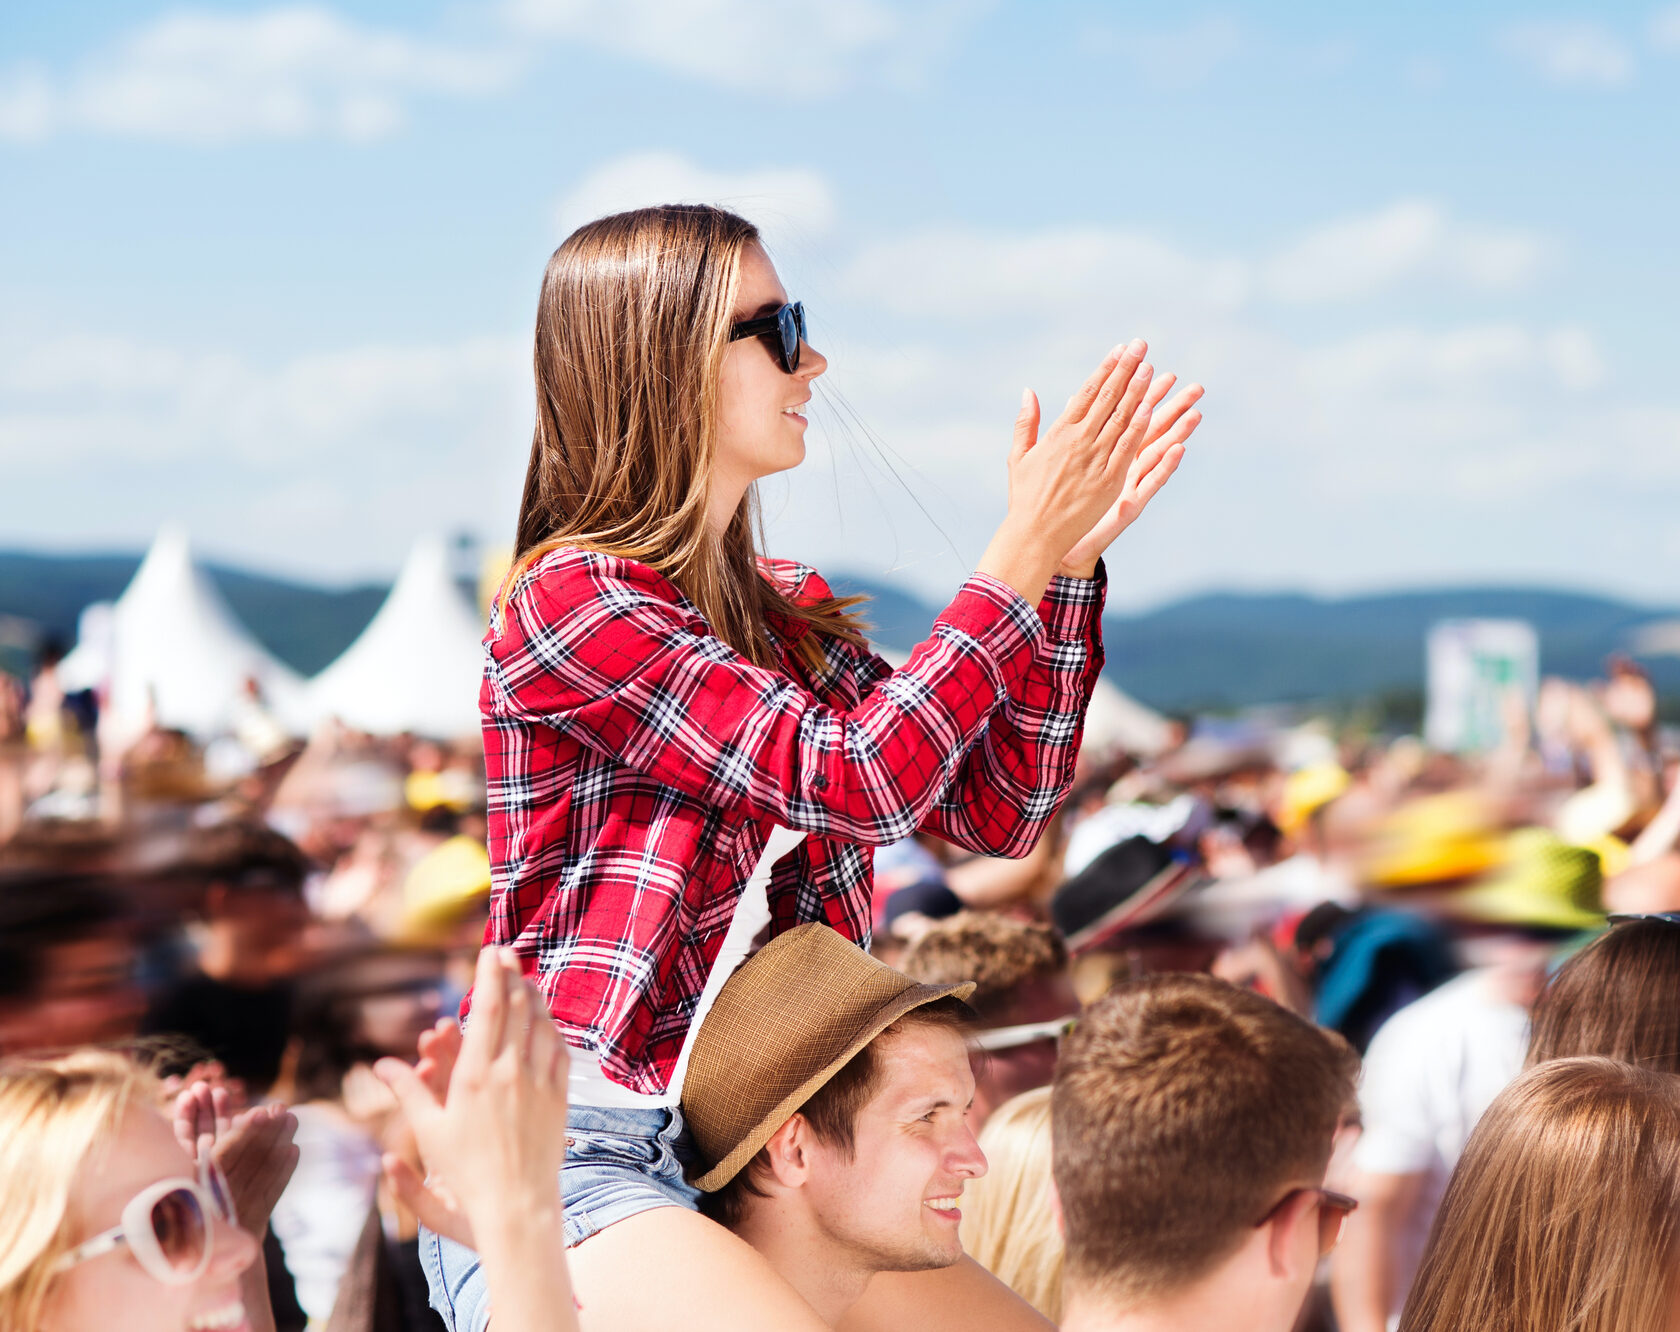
(688, 744)
(1619, 997)
(1564, 1211)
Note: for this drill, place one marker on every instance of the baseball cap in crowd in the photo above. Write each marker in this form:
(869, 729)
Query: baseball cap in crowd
(784, 1024)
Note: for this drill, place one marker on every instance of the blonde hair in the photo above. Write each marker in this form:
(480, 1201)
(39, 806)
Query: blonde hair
(632, 326)
(1564, 1211)
(53, 1112)
(1008, 1224)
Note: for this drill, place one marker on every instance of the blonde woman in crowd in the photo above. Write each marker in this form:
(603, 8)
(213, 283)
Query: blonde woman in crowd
(1009, 1223)
(107, 1219)
(107, 1209)
(1564, 1211)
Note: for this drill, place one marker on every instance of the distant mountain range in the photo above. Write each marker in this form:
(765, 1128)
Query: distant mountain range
(1222, 650)
(1231, 650)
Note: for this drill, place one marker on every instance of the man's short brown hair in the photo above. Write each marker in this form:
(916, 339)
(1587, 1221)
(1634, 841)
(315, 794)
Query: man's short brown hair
(833, 1108)
(1184, 1109)
(999, 954)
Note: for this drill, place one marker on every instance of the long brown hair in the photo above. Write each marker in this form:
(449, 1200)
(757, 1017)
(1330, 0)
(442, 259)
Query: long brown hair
(1619, 996)
(1564, 1211)
(632, 326)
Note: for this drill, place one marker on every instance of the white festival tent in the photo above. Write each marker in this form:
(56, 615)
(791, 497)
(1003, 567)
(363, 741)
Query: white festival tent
(417, 665)
(170, 648)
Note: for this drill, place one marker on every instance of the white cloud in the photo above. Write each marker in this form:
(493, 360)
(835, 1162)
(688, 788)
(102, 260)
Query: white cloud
(1105, 272)
(789, 204)
(1412, 361)
(1362, 256)
(113, 400)
(1132, 275)
(1570, 53)
(325, 464)
(1178, 57)
(776, 48)
(1665, 28)
(279, 73)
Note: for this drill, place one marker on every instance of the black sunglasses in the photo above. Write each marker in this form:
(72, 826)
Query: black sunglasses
(1627, 917)
(784, 331)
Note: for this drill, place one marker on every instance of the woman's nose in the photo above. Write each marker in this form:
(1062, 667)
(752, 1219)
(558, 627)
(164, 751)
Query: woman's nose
(811, 362)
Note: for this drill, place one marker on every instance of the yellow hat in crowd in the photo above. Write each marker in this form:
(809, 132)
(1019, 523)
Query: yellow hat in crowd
(1545, 882)
(445, 885)
(1308, 790)
(1435, 839)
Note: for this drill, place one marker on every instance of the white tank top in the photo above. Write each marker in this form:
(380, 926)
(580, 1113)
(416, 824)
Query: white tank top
(588, 1085)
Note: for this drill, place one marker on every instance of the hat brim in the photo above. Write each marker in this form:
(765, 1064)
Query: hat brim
(883, 1017)
(1147, 904)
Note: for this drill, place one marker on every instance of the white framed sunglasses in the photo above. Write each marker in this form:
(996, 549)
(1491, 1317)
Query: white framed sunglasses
(168, 1226)
(994, 1039)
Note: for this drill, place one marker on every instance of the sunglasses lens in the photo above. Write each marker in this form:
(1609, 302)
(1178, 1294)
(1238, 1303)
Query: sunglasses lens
(792, 327)
(1332, 1216)
(179, 1225)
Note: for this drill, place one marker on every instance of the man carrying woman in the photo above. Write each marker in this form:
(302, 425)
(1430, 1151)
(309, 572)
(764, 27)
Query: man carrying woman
(689, 746)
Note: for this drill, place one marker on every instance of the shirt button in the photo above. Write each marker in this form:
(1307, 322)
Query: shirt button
(820, 782)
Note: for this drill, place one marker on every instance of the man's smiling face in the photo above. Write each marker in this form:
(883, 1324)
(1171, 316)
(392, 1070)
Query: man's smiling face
(895, 1199)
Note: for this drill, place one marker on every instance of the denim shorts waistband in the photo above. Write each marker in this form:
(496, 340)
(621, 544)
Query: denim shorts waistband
(650, 1123)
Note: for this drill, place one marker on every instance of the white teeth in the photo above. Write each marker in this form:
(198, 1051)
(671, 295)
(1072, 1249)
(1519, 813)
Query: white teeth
(943, 1204)
(230, 1315)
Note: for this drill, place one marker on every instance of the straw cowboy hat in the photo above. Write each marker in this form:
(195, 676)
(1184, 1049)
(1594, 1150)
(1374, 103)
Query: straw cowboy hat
(783, 1025)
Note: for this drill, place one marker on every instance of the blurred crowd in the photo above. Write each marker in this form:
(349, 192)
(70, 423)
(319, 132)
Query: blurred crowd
(269, 918)
(266, 917)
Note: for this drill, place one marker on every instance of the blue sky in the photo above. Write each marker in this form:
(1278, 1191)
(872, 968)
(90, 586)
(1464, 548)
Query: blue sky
(270, 269)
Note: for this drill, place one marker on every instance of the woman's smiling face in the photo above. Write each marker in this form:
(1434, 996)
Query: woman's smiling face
(761, 408)
(113, 1289)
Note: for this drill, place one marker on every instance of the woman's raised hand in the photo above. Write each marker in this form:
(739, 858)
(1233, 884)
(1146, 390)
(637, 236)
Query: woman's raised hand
(1151, 468)
(489, 1113)
(1062, 487)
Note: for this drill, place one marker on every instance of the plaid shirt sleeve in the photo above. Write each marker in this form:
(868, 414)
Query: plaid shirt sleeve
(607, 651)
(1013, 780)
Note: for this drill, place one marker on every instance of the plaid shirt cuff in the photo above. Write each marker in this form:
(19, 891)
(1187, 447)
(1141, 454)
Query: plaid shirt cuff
(1070, 605)
(1001, 623)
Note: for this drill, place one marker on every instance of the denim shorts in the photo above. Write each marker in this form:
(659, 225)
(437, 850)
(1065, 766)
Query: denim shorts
(618, 1163)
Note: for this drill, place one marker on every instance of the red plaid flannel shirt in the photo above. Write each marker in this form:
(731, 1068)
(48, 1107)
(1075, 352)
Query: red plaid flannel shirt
(637, 763)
